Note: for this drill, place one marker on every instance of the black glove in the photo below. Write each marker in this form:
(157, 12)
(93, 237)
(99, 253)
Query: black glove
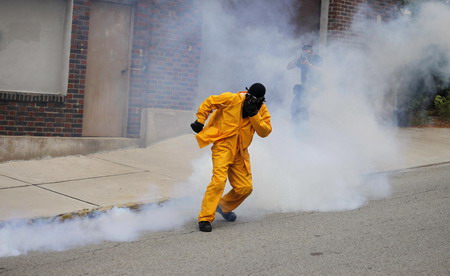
(197, 126)
(249, 109)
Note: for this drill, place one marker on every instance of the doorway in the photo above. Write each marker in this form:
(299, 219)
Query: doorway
(107, 74)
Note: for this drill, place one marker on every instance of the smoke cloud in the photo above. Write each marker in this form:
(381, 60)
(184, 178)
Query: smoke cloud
(118, 224)
(326, 160)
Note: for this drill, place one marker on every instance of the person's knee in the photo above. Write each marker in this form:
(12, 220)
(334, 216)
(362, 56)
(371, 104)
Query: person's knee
(244, 191)
(216, 189)
(217, 184)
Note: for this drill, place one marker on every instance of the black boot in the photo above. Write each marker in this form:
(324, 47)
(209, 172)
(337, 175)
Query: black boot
(230, 216)
(205, 226)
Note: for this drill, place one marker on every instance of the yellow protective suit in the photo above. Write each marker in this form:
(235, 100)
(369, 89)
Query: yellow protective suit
(231, 135)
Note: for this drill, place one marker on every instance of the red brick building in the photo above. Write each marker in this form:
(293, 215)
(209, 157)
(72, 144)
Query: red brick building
(341, 14)
(119, 57)
(160, 68)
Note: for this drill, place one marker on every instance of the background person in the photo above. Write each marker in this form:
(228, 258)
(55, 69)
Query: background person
(309, 65)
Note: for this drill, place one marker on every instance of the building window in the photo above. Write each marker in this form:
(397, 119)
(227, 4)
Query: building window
(35, 46)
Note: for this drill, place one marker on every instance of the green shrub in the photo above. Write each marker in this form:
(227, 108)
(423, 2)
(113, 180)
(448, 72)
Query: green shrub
(412, 110)
(442, 105)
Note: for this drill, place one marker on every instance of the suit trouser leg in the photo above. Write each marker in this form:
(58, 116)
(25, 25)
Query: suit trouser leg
(241, 180)
(222, 158)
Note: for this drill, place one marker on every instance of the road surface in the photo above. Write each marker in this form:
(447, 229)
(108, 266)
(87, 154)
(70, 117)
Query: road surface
(406, 234)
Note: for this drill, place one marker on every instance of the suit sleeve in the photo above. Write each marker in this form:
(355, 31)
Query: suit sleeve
(261, 122)
(212, 103)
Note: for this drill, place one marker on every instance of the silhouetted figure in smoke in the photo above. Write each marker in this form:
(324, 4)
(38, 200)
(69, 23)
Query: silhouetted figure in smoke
(309, 65)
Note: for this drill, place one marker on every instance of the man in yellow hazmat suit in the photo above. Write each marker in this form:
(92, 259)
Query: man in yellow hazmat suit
(235, 118)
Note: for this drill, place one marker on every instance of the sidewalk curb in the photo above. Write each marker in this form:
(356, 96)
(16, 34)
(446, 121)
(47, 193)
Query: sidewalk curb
(83, 213)
(138, 206)
(413, 168)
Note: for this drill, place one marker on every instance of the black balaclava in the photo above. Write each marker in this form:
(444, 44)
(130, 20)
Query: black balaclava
(256, 90)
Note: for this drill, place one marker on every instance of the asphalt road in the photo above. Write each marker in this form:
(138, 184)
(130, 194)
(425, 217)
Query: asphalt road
(406, 234)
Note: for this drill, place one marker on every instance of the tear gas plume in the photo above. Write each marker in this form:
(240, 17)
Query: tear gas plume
(322, 162)
(118, 224)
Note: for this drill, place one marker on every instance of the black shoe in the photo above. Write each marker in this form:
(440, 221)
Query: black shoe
(205, 226)
(230, 216)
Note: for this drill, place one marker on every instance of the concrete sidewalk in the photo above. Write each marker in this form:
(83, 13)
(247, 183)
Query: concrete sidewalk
(50, 187)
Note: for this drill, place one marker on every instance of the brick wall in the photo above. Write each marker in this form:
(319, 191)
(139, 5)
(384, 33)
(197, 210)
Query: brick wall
(52, 115)
(164, 71)
(343, 12)
(386, 8)
(165, 57)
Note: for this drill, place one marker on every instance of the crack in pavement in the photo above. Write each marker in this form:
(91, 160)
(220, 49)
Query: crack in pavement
(419, 193)
(87, 178)
(118, 163)
(96, 205)
(144, 170)
(10, 177)
(13, 187)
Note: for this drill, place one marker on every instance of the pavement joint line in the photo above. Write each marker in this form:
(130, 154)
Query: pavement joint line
(86, 178)
(50, 190)
(169, 176)
(114, 162)
(118, 163)
(13, 187)
(7, 176)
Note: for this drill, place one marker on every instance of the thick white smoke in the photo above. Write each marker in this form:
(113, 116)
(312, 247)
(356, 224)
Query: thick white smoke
(322, 162)
(118, 224)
